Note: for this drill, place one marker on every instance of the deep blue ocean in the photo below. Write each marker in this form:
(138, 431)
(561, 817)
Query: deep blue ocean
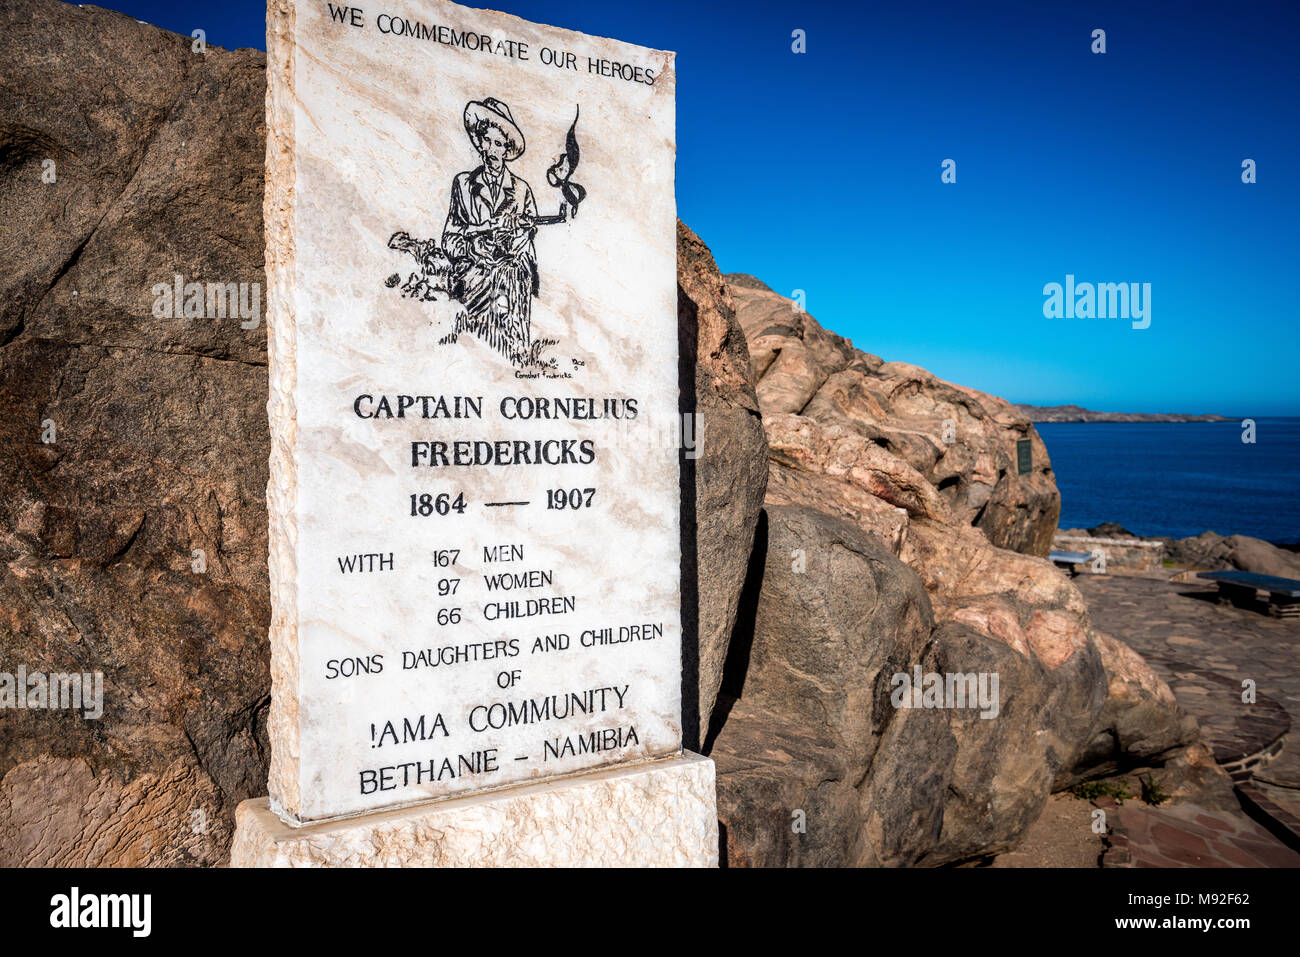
(1179, 478)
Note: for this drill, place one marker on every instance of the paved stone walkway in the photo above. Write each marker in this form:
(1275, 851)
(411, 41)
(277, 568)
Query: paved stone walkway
(1185, 835)
(1288, 799)
(1205, 651)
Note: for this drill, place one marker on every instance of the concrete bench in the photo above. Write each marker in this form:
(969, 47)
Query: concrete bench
(1240, 588)
(1067, 560)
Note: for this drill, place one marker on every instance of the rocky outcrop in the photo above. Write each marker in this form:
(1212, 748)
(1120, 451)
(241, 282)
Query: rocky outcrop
(1076, 413)
(810, 723)
(1134, 726)
(134, 542)
(816, 763)
(963, 442)
(868, 567)
(132, 446)
(725, 469)
(1213, 551)
(800, 713)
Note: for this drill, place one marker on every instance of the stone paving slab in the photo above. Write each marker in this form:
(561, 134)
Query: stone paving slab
(1205, 651)
(1187, 835)
(1284, 770)
(1276, 809)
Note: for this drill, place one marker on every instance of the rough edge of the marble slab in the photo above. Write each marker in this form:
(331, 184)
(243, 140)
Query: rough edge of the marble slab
(278, 205)
(653, 814)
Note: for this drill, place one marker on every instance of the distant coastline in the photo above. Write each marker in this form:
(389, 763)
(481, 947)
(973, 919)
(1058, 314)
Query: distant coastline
(1075, 413)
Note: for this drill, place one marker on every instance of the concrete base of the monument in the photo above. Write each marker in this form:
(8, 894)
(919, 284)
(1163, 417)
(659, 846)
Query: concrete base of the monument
(658, 814)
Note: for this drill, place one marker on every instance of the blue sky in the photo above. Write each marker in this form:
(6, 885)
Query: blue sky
(821, 172)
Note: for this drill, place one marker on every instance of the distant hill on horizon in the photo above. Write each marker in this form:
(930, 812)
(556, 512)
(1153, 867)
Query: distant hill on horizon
(1076, 413)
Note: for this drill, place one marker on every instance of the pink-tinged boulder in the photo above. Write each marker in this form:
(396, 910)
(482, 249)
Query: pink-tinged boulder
(964, 442)
(817, 764)
(1214, 551)
(1135, 724)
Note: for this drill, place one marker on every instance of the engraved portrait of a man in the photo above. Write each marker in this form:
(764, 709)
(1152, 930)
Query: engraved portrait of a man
(491, 222)
(485, 262)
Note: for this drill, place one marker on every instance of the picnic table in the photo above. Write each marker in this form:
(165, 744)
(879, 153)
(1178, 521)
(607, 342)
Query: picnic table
(1241, 588)
(1068, 560)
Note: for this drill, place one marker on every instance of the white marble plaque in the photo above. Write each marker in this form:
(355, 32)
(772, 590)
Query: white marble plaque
(474, 475)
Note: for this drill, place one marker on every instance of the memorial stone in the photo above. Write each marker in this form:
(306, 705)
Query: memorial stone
(474, 496)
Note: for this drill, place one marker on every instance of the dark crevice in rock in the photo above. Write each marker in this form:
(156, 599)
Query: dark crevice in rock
(62, 271)
(10, 335)
(736, 666)
(687, 348)
(104, 347)
(126, 546)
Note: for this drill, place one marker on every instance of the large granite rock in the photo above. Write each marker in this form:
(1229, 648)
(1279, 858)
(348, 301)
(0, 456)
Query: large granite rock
(816, 764)
(962, 441)
(806, 733)
(162, 441)
(859, 492)
(1210, 550)
(727, 470)
(805, 698)
(1139, 722)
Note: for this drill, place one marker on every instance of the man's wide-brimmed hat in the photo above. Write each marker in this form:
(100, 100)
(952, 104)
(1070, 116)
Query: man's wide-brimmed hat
(498, 114)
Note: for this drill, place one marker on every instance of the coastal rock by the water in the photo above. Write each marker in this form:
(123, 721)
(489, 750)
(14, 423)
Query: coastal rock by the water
(1210, 550)
(1110, 530)
(856, 516)
(961, 441)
